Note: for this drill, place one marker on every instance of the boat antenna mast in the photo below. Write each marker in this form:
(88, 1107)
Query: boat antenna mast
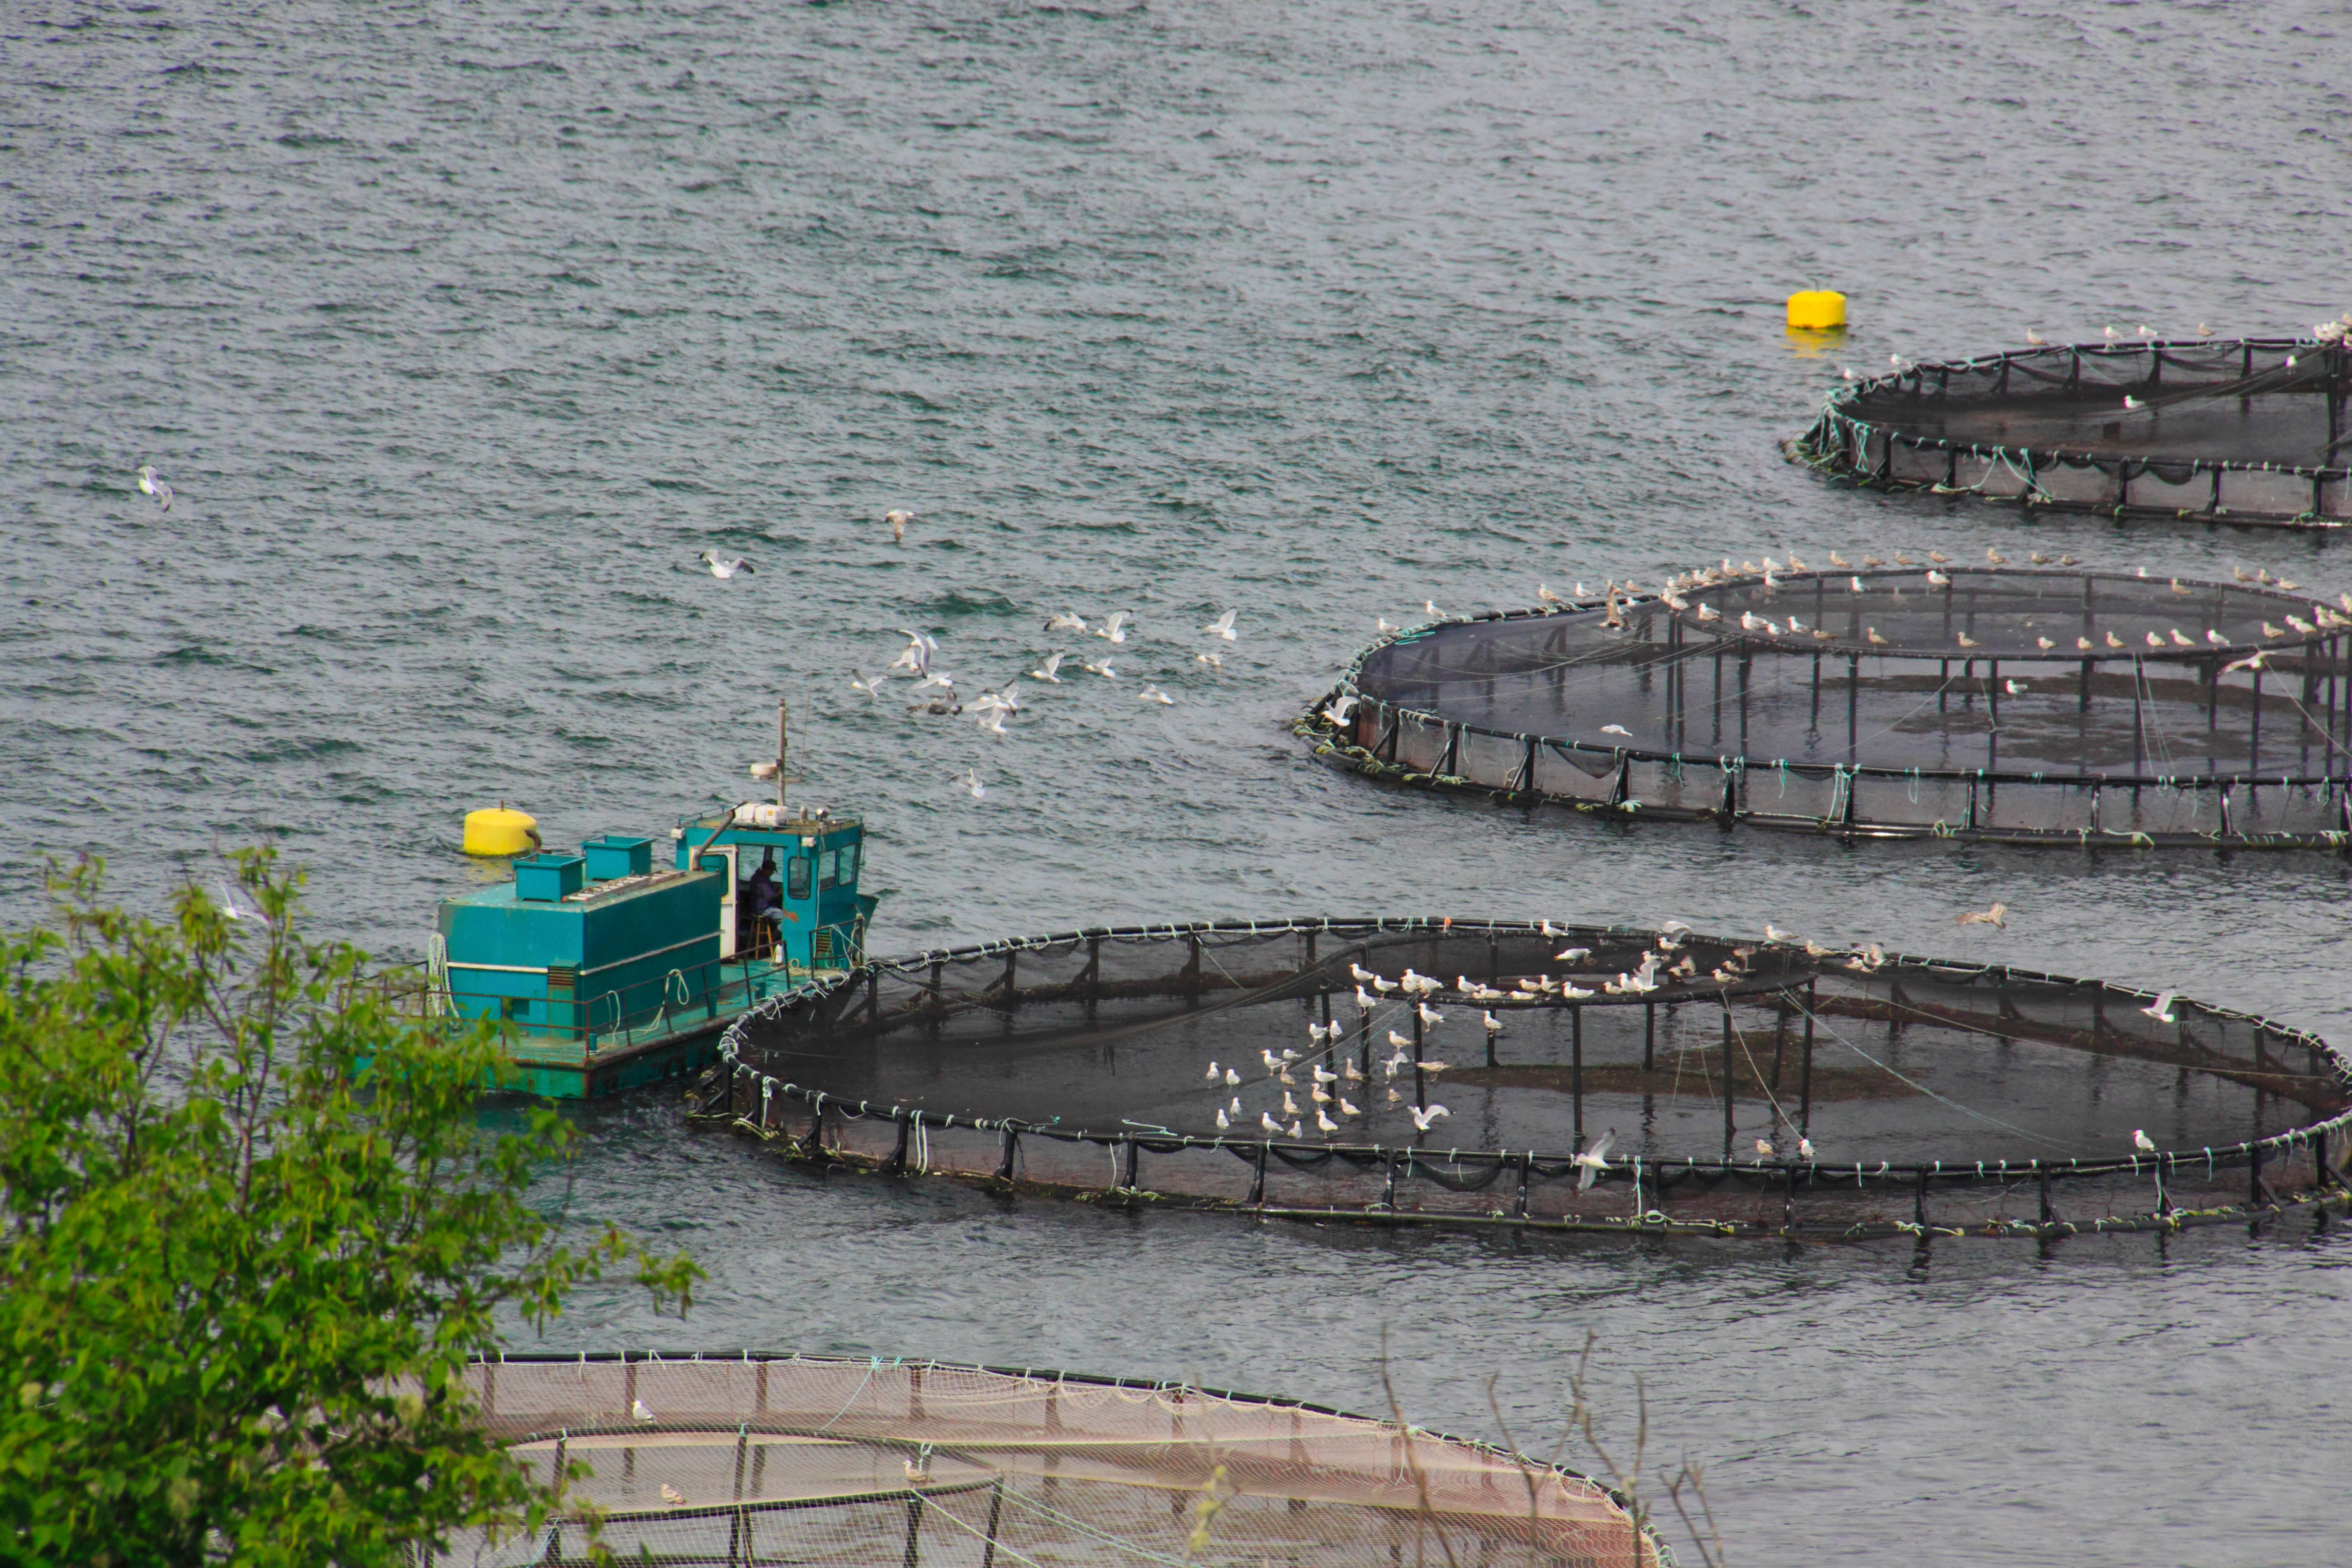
(775, 770)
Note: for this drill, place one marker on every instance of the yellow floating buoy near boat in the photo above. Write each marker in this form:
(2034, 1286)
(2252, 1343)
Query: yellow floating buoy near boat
(495, 830)
(1816, 310)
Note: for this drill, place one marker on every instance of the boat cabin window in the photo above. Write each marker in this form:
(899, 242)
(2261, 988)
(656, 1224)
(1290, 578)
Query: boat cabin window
(849, 861)
(796, 875)
(830, 863)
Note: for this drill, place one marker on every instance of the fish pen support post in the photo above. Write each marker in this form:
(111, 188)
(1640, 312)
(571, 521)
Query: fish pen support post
(2254, 1171)
(1257, 1179)
(936, 1019)
(2254, 735)
(1649, 1034)
(1919, 1201)
(1852, 701)
(1747, 664)
(1805, 1074)
(1364, 1043)
(1134, 1164)
(914, 1530)
(995, 1513)
(1576, 1071)
(1779, 1035)
(1729, 1124)
(2138, 730)
(1011, 1148)
(1420, 1083)
(2044, 1171)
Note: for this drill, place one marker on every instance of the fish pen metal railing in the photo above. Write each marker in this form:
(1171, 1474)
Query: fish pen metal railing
(2243, 430)
(867, 1463)
(1599, 1079)
(1994, 704)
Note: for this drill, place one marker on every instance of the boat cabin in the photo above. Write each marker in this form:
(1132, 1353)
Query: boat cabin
(791, 880)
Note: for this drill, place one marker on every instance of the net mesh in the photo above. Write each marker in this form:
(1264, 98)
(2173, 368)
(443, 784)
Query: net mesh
(754, 1460)
(1628, 1080)
(2006, 704)
(2251, 429)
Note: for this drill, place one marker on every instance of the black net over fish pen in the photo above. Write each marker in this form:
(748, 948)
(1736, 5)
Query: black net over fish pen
(2244, 430)
(2007, 705)
(742, 1459)
(1563, 1077)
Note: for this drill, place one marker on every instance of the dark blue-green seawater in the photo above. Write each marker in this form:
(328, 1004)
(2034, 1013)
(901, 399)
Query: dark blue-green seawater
(462, 329)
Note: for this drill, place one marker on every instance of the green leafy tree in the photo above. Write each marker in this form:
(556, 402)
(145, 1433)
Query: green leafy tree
(253, 1226)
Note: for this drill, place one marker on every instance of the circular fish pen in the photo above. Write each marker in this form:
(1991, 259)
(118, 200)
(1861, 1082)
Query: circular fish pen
(2248, 430)
(743, 1460)
(1556, 1078)
(2004, 705)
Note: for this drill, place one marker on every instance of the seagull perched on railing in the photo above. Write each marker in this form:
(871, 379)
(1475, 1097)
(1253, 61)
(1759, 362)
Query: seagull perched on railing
(2142, 1141)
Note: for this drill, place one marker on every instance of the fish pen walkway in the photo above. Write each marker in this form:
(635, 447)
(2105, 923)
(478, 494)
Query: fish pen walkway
(1892, 700)
(2249, 430)
(1479, 1073)
(744, 1459)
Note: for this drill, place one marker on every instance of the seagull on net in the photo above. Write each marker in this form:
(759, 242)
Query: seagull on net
(1429, 606)
(1363, 1001)
(1273, 1063)
(1268, 1124)
(2161, 1008)
(149, 485)
(1114, 629)
(1380, 624)
(2142, 1141)
(1544, 593)
(1223, 1121)
(723, 567)
(1763, 1150)
(1222, 627)
(1067, 621)
(898, 521)
(2133, 402)
(1323, 1075)
(2016, 688)
(1234, 1081)
(1616, 729)
(1216, 1073)
(1594, 1161)
(1774, 934)
(1804, 1148)
(1323, 1122)
(1235, 1108)
(1346, 1108)
(1047, 671)
(1423, 1120)
(1289, 1105)
(1399, 1041)
(1996, 916)
(638, 1410)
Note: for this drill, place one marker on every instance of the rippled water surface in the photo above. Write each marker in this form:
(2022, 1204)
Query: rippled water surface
(462, 330)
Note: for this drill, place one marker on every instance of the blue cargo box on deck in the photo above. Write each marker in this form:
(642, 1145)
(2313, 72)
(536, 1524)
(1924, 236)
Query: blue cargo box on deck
(596, 961)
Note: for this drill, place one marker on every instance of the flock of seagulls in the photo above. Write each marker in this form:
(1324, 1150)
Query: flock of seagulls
(935, 691)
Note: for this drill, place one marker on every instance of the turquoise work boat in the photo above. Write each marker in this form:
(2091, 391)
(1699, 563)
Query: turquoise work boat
(609, 970)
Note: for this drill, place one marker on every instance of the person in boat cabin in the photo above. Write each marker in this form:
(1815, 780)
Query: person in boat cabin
(762, 902)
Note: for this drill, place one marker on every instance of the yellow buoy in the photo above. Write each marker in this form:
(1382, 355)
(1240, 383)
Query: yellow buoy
(1816, 310)
(495, 830)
